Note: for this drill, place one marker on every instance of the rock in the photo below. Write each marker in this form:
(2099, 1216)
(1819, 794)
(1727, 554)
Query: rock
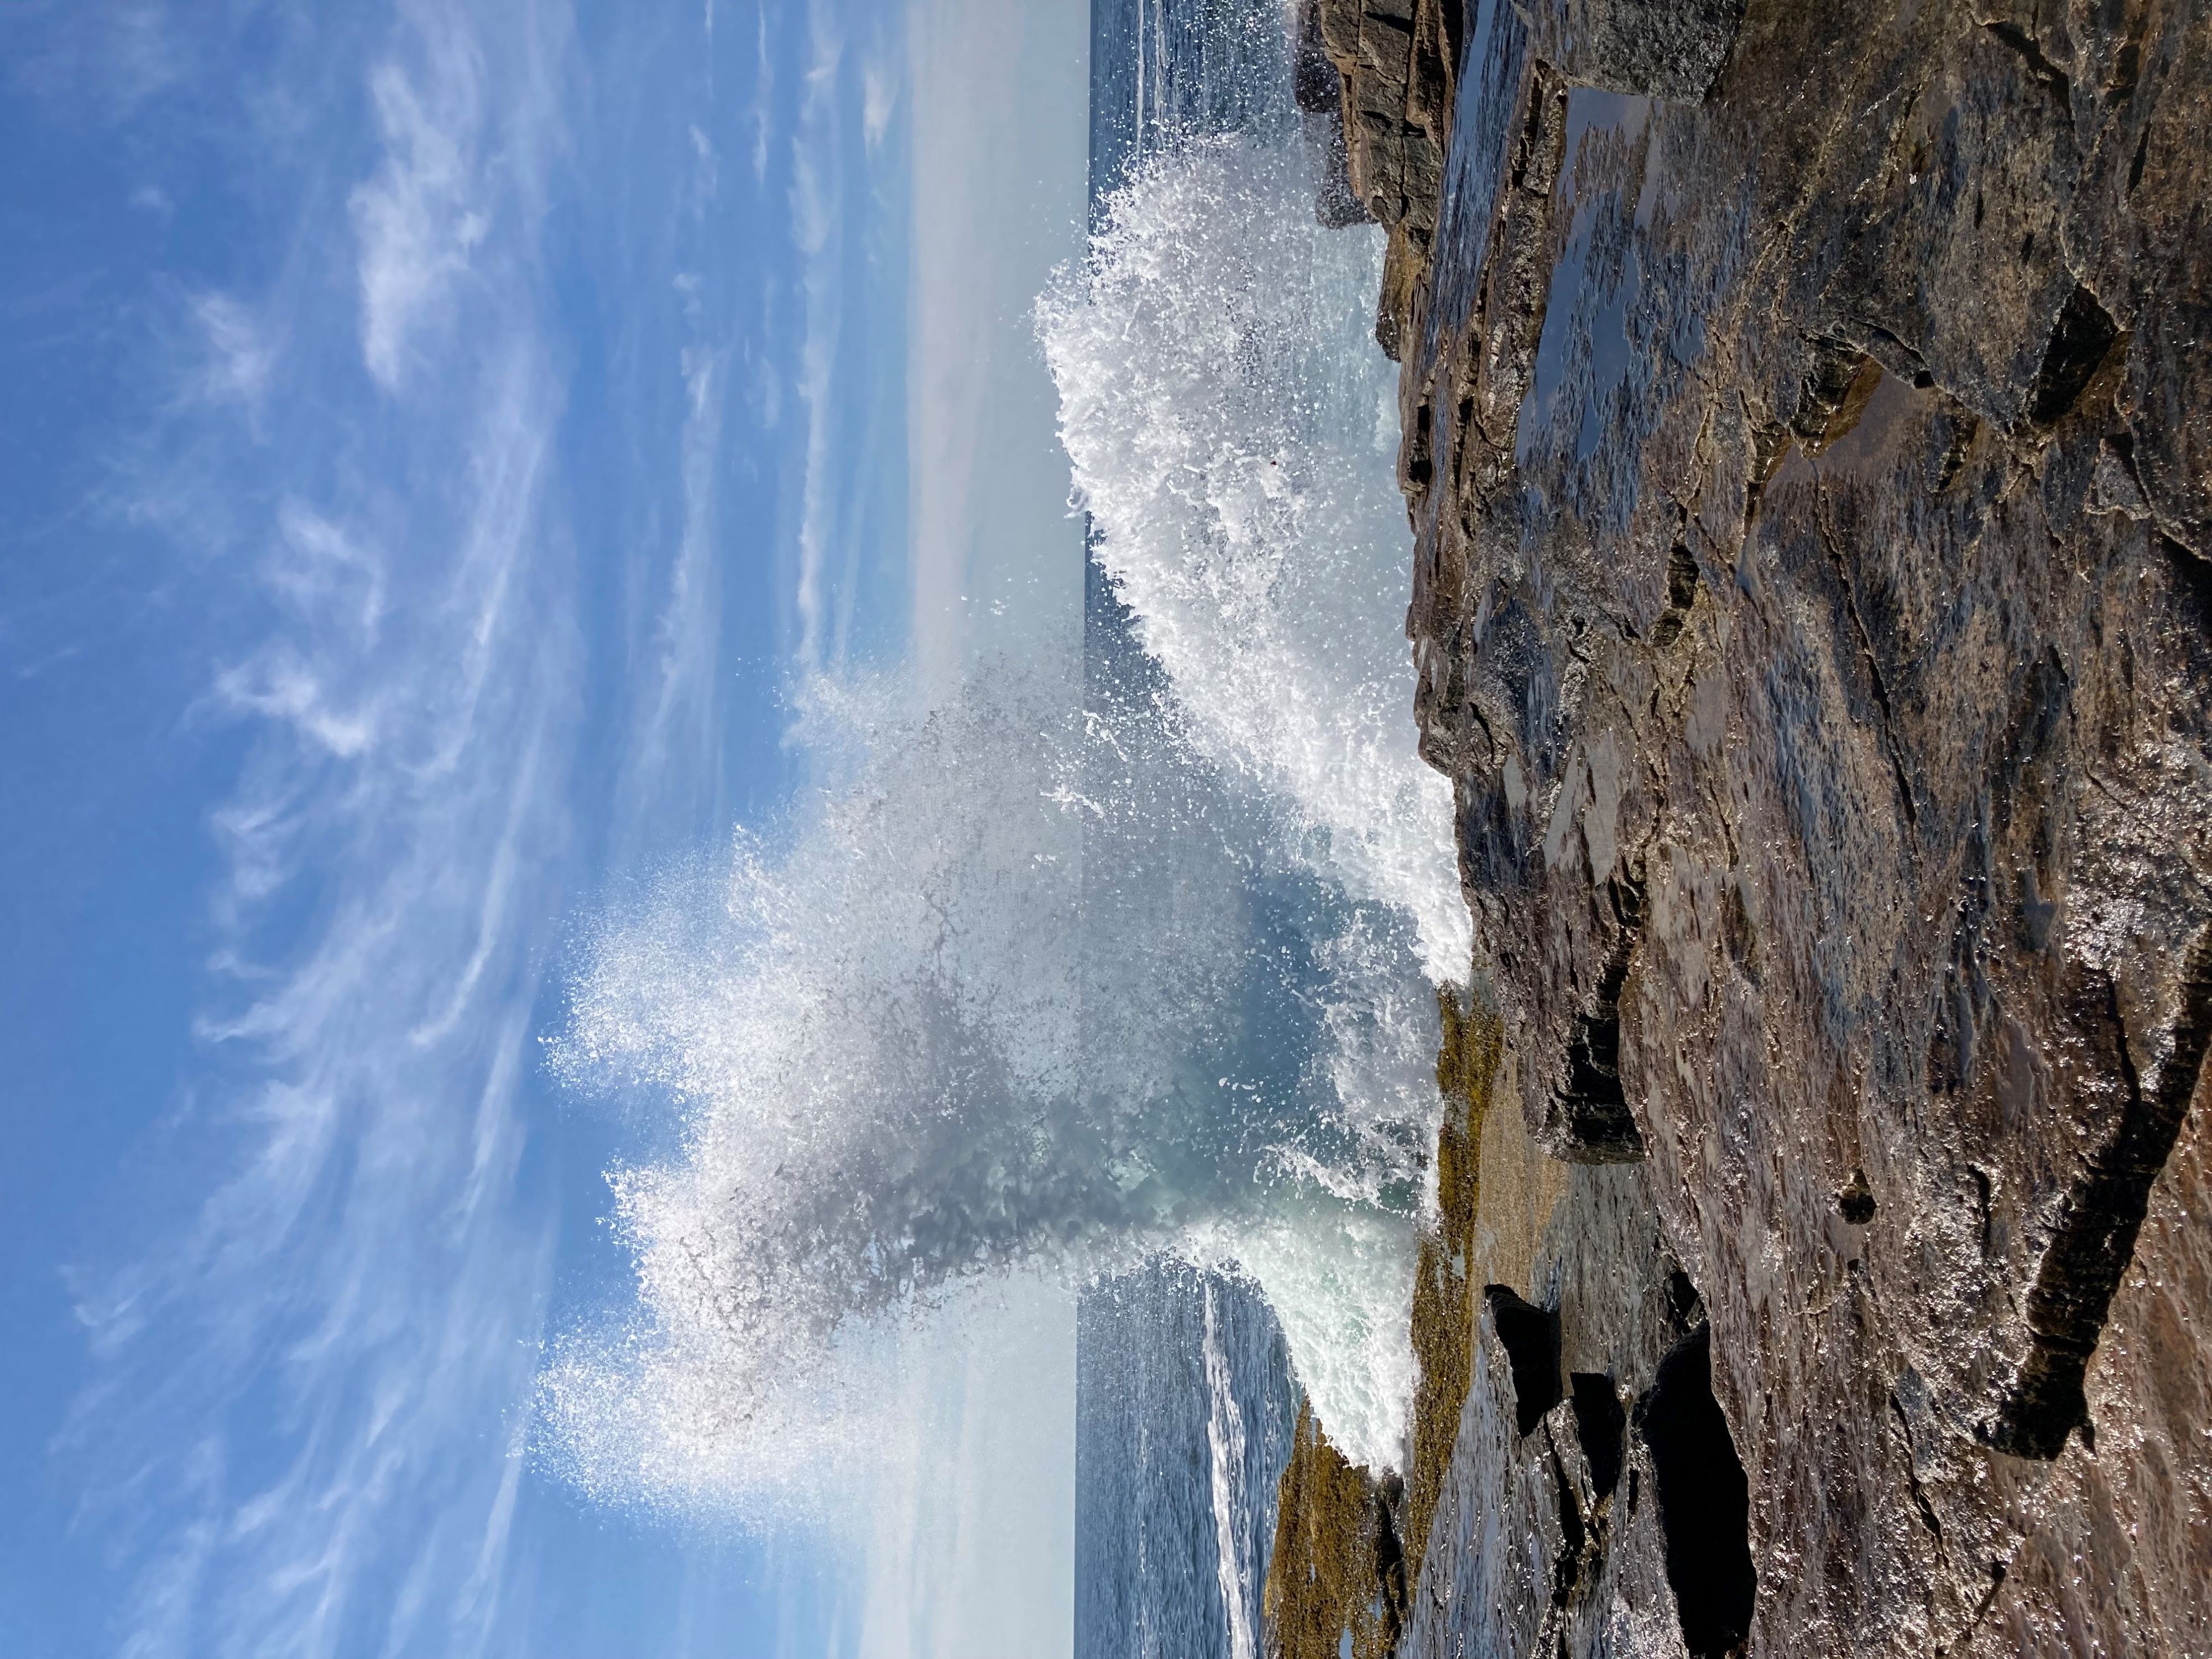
(1318, 91)
(1662, 48)
(1808, 448)
(1395, 65)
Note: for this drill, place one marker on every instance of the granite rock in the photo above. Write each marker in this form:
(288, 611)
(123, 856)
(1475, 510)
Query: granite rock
(1659, 48)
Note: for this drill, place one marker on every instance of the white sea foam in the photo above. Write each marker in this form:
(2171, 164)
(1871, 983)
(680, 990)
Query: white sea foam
(1233, 428)
(1025, 982)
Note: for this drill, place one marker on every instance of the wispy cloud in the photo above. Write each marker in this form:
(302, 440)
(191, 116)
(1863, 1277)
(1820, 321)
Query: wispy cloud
(422, 217)
(122, 53)
(280, 1388)
(879, 91)
(240, 354)
(764, 96)
(817, 214)
(674, 747)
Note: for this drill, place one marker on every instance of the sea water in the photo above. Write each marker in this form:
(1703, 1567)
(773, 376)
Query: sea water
(1185, 1409)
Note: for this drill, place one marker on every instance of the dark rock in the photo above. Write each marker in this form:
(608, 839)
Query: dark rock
(1530, 1338)
(1811, 476)
(1318, 90)
(1396, 62)
(1601, 1428)
(1856, 1202)
(1704, 1504)
(1662, 48)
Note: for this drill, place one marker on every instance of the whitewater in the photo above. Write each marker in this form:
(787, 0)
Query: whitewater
(1071, 971)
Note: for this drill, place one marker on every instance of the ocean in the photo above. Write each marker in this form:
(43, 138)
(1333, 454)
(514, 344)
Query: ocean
(1184, 1411)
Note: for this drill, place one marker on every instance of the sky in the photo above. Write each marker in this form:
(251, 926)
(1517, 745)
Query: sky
(440, 439)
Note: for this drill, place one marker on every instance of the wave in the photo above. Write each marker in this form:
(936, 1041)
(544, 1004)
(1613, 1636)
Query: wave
(1043, 981)
(1233, 429)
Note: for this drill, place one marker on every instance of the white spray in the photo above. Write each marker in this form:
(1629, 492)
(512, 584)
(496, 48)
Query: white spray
(1027, 983)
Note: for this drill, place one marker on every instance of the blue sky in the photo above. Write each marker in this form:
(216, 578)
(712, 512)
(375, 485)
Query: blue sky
(439, 437)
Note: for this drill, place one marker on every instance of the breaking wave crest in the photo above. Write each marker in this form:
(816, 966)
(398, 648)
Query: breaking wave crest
(1051, 979)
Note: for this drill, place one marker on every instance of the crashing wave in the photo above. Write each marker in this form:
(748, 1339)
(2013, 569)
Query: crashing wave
(1040, 983)
(1233, 429)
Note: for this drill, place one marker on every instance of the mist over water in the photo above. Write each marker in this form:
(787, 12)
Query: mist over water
(1051, 979)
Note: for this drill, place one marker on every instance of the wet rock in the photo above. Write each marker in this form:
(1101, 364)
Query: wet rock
(1550, 1523)
(1318, 91)
(1663, 48)
(1529, 1338)
(1704, 1503)
(1806, 441)
(1395, 62)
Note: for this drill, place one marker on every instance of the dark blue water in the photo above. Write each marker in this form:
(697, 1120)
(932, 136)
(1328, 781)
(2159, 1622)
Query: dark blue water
(1164, 71)
(1184, 1411)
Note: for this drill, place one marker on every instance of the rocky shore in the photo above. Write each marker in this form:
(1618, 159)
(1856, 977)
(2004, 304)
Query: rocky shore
(1808, 416)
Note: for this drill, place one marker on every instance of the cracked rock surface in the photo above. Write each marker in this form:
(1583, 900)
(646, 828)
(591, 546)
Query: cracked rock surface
(1395, 60)
(1808, 448)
